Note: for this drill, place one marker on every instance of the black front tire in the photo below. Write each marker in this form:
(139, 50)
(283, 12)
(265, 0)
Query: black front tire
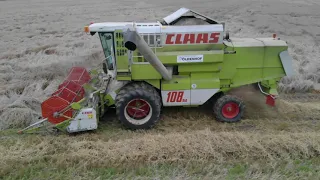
(229, 109)
(147, 94)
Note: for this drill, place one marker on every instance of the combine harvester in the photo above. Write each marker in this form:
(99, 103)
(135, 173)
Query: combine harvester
(151, 65)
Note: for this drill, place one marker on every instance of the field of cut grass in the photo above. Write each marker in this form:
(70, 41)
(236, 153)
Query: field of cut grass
(185, 145)
(202, 154)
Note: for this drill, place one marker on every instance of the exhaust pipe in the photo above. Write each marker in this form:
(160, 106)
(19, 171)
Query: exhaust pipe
(133, 41)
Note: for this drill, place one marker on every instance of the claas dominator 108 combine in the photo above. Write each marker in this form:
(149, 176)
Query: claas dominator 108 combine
(149, 66)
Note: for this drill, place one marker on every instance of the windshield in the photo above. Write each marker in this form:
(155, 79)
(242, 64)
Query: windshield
(107, 45)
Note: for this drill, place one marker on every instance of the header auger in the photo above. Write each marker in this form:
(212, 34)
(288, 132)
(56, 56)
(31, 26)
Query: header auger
(148, 66)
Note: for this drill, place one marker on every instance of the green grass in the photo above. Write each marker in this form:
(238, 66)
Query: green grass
(292, 169)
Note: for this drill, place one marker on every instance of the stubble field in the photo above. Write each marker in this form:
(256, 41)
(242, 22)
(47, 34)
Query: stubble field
(41, 40)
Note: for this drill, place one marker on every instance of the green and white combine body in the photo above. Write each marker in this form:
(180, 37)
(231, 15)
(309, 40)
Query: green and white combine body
(156, 64)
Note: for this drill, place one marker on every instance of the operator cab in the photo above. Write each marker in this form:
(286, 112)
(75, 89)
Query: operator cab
(111, 43)
(107, 42)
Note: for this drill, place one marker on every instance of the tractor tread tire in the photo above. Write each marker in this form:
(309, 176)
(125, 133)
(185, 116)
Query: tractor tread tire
(141, 90)
(217, 109)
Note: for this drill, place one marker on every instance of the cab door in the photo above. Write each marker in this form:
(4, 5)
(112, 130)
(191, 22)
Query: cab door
(107, 43)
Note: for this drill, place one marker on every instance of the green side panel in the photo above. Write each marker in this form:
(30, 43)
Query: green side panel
(208, 56)
(144, 72)
(205, 80)
(272, 65)
(246, 76)
(251, 64)
(250, 57)
(121, 52)
(271, 73)
(229, 66)
(272, 56)
(154, 82)
(246, 59)
(204, 67)
(176, 83)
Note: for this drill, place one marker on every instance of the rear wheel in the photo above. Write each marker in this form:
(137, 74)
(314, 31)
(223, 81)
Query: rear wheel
(229, 109)
(138, 106)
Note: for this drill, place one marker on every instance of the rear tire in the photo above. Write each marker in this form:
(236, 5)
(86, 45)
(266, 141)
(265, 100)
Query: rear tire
(229, 109)
(138, 106)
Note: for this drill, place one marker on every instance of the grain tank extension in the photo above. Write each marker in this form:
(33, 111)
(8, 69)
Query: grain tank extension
(151, 65)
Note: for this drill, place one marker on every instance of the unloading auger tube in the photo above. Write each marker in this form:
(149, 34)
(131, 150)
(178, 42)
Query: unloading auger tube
(132, 41)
